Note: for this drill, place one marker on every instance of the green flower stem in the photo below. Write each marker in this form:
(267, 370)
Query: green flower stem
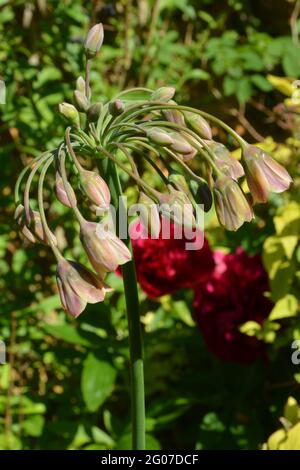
(135, 338)
(23, 173)
(62, 161)
(138, 180)
(42, 211)
(135, 110)
(28, 185)
(71, 150)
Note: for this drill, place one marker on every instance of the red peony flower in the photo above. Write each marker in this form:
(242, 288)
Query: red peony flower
(165, 265)
(234, 295)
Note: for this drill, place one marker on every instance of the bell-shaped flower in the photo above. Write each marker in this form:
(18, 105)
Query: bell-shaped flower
(228, 165)
(177, 207)
(231, 204)
(78, 286)
(264, 175)
(104, 249)
(149, 215)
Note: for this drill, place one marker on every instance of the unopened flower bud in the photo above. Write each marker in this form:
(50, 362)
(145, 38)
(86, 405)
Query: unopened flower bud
(149, 215)
(94, 112)
(80, 86)
(178, 181)
(94, 40)
(69, 112)
(81, 101)
(95, 188)
(163, 94)
(38, 230)
(198, 124)
(103, 248)
(61, 192)
(263, 174)
(78, 286)
(231, 204)
(228, 165)
(202, 194)
(116, 107)
(180, 144)
(173, 115)
(159, 136)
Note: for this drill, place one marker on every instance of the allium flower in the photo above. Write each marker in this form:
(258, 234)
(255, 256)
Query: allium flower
(95, 188)
(165, 265)
(69, 112)
(20, 218)
(177, 207)
(232, 206)
(78, 286)
(229, 165)
(233, 296)
(264, 174)
(34, 230)
(103, 248)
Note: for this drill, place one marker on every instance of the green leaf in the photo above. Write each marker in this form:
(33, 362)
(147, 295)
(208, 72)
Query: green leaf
(66, 333)
(97, 381)
(285, 308)
(33, 425)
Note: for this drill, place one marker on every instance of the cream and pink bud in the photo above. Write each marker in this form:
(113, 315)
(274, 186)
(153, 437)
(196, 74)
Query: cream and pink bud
(264, 175)
(94, 40)
(159, 137)
(198, 124)
(231, 204)
(95, 188)
(104, 249)
(61, 193)
(163, 94)
(78, 286)
(226, 163)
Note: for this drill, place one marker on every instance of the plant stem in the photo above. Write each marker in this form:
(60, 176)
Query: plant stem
(135, 337)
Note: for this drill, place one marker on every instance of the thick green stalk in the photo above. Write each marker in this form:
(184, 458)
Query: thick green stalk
(135, 334)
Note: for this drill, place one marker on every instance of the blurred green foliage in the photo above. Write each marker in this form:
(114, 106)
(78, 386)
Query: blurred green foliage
(65, 384)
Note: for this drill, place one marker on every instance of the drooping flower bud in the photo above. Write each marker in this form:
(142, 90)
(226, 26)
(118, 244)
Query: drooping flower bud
(95, 188)
(177, 207)
(202, 194)
(61, 193)
(180, 144)
(228, 165)
(149, 215)
(163, 94)
(104, 249)
(94, 40)
(231, 204)
(78, 286)
(159, 136)
(264, 175)
(94, 112)
(116, 107)
(178, 181)
(174, 115)
(70, 113)
(198, 124)
(20, 218)
(81, 101)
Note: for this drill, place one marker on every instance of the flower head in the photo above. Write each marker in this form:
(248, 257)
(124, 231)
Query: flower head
(231, 204)
(264, 174)
(78, 286)
(165, 265)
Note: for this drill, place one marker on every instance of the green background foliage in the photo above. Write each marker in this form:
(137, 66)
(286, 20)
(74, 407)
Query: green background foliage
(65, 384)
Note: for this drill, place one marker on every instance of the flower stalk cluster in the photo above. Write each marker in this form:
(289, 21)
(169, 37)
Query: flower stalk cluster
(120, 133)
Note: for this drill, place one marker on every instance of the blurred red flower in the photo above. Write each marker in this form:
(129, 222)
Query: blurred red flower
(233, 295)
(165, 265)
